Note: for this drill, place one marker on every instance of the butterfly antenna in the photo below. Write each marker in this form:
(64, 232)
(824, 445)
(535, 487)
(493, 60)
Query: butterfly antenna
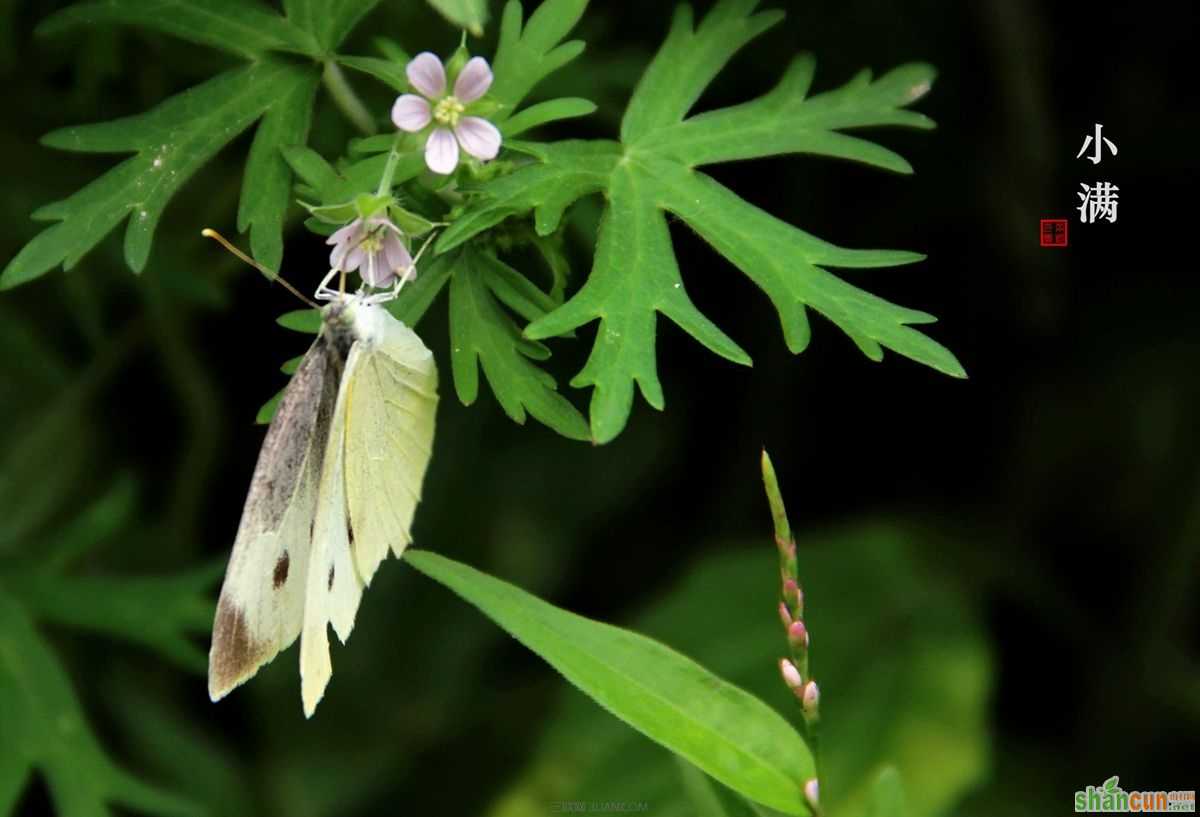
(220, 239)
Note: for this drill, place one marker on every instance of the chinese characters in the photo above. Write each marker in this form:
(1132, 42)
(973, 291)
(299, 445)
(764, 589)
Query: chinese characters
(1097, 201)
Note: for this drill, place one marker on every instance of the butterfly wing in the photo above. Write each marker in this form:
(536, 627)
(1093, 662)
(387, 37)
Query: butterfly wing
(333, 589)
(379, 444)
(262, 599)
(391, 403)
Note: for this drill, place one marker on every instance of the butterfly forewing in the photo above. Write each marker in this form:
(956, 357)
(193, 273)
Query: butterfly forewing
(262, 599)
(392, 400)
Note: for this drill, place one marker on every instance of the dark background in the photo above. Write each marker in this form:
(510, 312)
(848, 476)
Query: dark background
(1060, 483)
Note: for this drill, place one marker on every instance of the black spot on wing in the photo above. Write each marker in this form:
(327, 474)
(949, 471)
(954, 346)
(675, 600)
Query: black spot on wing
(281, 570)
(329, 583)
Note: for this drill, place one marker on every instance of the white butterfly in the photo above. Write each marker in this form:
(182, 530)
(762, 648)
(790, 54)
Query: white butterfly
(336, 486)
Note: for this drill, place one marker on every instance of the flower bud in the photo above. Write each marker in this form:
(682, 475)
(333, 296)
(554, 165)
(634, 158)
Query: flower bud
(791, 675)
(458, 59)
(810, 698)
(798, 636)
(791, 592)
(812, 793)
(784, 615)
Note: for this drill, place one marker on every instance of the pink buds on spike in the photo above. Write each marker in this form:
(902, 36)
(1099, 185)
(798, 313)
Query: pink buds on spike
(791, 675)
(798, 636)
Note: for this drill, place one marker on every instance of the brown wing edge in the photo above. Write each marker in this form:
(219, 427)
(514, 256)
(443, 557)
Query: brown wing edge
(234, 656)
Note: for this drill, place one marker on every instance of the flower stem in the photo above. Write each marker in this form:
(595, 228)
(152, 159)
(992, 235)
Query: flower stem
(345, 98)
(389, 170)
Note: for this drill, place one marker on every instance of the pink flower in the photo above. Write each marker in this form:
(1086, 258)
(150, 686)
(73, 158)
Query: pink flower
(375, 248)
(452, 128)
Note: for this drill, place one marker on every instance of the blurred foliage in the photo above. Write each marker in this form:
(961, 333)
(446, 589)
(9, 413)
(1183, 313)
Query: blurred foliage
(1058, 491)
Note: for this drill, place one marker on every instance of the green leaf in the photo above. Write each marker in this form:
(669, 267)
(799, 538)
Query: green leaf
(468, 14)
(552, 110)
(171, 143)
(567, 171)
(245, 27)
(416, 297)
(890, 628)
(633, 235)
(481, 334)
(389, 72)
(267, 183)
(524, 57)
(329, 21)
(306, 321)
(669, 698)
(688, 61)
(312, 168)
(162, 613)
(651, 173)
(787, 263)
(45, 731)
(267, 413)
(785, 121)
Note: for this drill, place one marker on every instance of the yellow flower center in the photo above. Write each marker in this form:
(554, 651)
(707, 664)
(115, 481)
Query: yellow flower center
(373, 242)
(447, 111)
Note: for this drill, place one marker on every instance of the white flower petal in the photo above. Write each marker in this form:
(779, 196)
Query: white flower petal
(344, 234)
(411, 113)
(375, 272)
(441, 152)
(353, 259)
(478, 137)
(427, 75)
(474, 80)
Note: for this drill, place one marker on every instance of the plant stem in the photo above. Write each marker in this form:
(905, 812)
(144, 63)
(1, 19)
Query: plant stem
(389, 170)
(345, 98)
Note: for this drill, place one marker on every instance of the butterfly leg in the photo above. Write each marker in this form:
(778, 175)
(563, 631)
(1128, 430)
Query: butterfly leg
(324, 291)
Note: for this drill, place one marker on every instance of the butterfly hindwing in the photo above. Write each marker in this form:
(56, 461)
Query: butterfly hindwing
(262, 599)
(333, 588)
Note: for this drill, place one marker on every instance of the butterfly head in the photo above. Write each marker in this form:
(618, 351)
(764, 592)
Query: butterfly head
(351, 318)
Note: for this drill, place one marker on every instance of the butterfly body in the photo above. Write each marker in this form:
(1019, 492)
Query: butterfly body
(335, 489)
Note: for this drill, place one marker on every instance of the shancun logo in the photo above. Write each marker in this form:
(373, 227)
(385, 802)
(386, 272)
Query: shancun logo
(1112, 798)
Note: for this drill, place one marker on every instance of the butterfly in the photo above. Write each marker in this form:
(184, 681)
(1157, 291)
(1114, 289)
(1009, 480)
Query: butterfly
(336, 486)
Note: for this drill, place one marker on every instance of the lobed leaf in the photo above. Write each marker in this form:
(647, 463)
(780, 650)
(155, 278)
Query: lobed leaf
(45, 731)
(328, 21)
(786, 263)
(527, 55)
(651, 172)
(267, 182)
(633, 235)
(482, 335)
(551, 110)
(785, 121)
(688, 61)
(566, 172)
(244, 27)
(171, 142)
(666, 696)
(389, 72)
